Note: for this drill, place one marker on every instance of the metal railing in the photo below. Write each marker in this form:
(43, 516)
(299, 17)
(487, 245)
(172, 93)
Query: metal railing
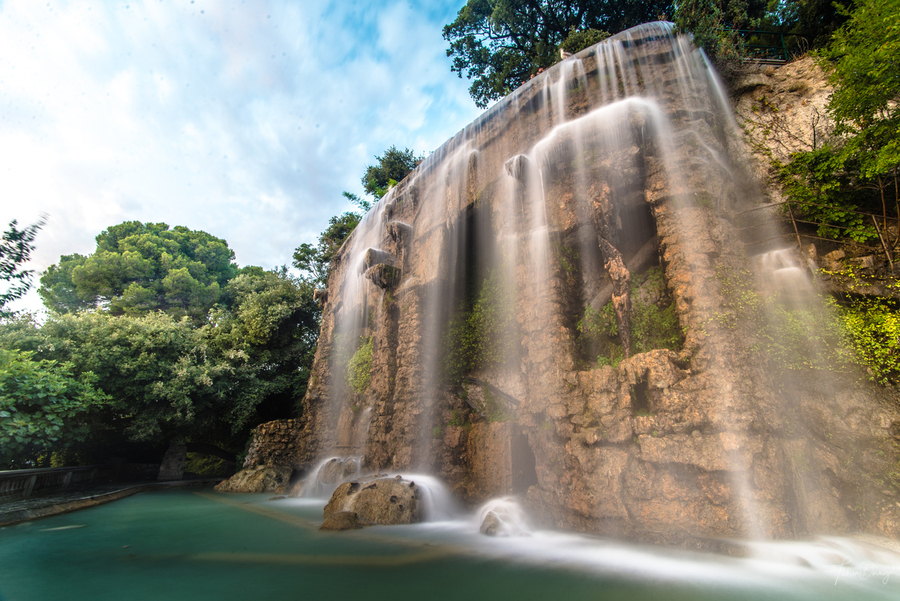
(23, 483)
(772, 45)
(789, 216)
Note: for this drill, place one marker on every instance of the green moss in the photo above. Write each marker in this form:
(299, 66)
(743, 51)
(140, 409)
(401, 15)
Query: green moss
(359, 369)
(437, 432)
(494, 409)
(456, 419)
(652, 327)
(482, 335)
(872, 328)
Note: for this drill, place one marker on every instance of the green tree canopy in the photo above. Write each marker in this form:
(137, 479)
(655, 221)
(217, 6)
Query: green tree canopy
(272, 318)
(143, 267)
(714, 23)
(315, 260)
(170, 380)
(858, 168)
(44, 408)
(392, 167)
(15, 250)
(501, 43)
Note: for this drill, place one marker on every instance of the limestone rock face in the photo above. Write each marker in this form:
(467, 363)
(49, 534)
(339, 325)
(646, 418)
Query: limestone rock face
(342, 520)
(275, 443)
(266, 478)
(707, 438)
(381, 501)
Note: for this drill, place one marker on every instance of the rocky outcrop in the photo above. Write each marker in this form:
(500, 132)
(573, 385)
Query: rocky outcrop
(382, 501)
(275, 443)
(721, 434)
(264, 478)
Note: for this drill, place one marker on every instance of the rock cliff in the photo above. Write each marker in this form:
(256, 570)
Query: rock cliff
(492, 322)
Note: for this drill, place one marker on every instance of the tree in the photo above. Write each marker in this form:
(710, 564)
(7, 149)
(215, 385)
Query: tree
(15, 250)
(859, 168)
(143, 267)
(392, 167)
(315, 261)
(714, 24)
(170, 380)
(501, 43)
(272, 318)
(44, 408)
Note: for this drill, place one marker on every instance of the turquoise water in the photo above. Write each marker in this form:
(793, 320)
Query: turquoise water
(201, 545)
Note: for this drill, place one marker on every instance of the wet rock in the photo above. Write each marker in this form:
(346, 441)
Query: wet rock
(268, 478)
(833, 260)
(374, 256)
(491, 525)
(336, 470)
(275, 443)
(297, 489)
(384, 276)
(381, 501)
(342, 520)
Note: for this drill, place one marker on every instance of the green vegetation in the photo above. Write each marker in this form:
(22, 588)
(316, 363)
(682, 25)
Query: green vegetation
(161, 375)
(872, 326)
(392, 167)
(456, 419)
(482, 335)
(652, 326)
(788, 335)
(206, 465)
(138, 268)
(499, 44)
(493, 408)
(359, 369)
(858, 167)
(315, 261)
(15, 249)
(43, 407)
(714, 23)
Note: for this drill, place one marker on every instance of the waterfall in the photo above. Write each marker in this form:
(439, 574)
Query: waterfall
(557, 304)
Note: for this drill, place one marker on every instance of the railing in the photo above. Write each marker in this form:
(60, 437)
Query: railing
(772, 45)
(23, 483)
(788, 216)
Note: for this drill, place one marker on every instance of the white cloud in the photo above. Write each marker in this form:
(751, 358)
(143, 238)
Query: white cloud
(246, 119)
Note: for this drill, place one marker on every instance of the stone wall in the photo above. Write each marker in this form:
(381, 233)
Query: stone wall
(275, 443)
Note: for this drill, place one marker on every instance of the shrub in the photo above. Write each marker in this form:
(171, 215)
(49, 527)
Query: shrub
(359, 370)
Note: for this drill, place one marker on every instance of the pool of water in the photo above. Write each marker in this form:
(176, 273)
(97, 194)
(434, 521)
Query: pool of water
(201, 545)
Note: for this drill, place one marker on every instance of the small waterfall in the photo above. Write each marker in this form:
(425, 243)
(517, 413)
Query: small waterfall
(503, 517)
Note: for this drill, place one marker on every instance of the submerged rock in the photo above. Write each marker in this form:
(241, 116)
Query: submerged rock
(382, 501)
(267, 478)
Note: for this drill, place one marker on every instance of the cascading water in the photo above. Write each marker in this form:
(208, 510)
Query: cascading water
(557, 304)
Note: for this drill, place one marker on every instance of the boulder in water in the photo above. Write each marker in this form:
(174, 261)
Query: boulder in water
(342, 520)
(503, 517)
(382, 501)
(265, 478)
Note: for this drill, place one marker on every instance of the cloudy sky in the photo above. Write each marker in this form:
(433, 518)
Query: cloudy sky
(242, 118)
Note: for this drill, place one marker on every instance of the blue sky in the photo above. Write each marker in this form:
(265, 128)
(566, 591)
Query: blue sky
(242, 118)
